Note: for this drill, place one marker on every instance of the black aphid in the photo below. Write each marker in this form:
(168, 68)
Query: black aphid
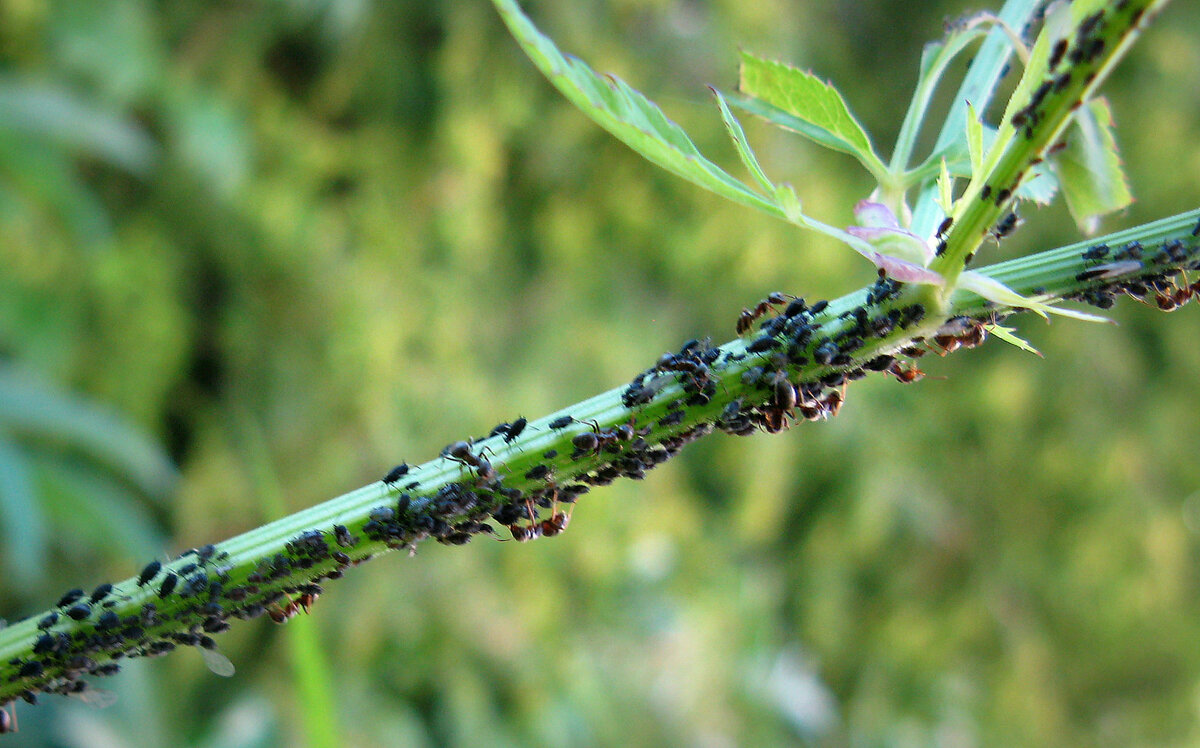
(149, 572)
(69, 597)
(168, 584)
(514, 430)
(100, 593)
(396, 473)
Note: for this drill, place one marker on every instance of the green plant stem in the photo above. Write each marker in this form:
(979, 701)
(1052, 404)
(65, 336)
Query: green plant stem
(267, 565)
(1092, 54)
(978, 87)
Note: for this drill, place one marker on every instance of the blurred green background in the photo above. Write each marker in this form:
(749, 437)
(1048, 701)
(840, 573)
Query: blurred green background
(260, 251)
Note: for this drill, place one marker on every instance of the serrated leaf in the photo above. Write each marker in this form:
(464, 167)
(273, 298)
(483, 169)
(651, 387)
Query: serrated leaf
(1041, 186)
(626, 114)
(734, 128)
(1089, 168)
(1007, 335)
(818, 105)
(974, 140)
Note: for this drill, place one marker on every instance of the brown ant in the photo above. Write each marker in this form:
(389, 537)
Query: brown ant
(959, 332)
(832, 403)
(1169, 301)
(525, 533)
(906, 376)
(557, 523)
(748, 316)
(304, 603)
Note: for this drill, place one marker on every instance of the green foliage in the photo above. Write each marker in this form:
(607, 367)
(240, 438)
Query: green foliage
(809, 106)
(1089, 168)
(624, 112)
(112, 465)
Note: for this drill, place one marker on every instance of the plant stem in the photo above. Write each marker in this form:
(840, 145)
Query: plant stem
(734, 388)
(1094, 49)
(978, 87)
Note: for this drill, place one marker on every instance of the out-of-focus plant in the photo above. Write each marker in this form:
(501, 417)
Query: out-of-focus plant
(70, 465)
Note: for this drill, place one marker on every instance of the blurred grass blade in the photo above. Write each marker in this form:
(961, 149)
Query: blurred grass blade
(627, 114)
(815, 107)
(30, 409)
(318, 697)
(23, 528)
(59, 116)
(1089, 168)
(88, 507)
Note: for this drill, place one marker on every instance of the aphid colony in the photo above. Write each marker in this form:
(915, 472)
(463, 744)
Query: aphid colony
(1086, 47)
(1156, 275)
(186, 601)
(85, 629)
(798, 336)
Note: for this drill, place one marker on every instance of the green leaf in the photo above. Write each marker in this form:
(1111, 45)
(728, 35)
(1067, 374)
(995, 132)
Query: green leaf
(1007, 335)
(974, 140)
(96, 511)
(734, 128)
(945, 185)
(1089, 168)
(790, 203)
(627, 114)
(993, 290)
(812, 107)
(1041, 186)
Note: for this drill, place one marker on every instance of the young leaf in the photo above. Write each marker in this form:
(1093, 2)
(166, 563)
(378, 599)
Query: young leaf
(786, 197)
(974, 139)
(810, 106)
(627, 114)
(993, 290)
(734, 128)
(945, 185)
(1007, 334)
(1040, 186)
(1089, 168)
